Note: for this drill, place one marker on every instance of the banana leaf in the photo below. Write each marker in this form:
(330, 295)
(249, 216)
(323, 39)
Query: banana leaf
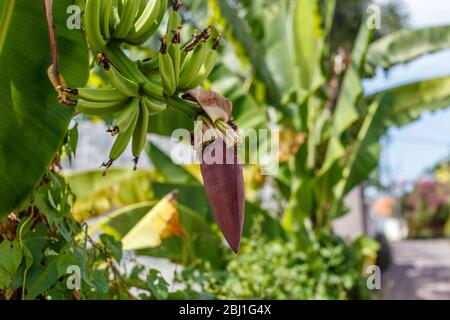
(201, 242)
(33, 123)
(346, 113)
(242, 34)
(405, 45)
(97, 194)
(398, 106)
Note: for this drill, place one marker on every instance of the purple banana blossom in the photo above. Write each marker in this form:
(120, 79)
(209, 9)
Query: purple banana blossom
(220, 167)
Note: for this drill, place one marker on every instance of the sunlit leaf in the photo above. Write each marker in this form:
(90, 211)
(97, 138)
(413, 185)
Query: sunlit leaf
(97, 194)
(405, 45)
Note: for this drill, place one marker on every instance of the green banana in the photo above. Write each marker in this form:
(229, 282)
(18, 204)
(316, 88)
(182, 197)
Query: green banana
(174, 21)
(152, 106)
(92, 25)
(166, 70)
(140, 133)
(174, 51)
(206, 68)
(122, 140)
(100, 108)
(173, 33)
(121, 62)
(99, 95)
(114, 18)
(155, 78)
(192, 64)
(101, 18)
(175, 54)
(125, 117)
(108, 11)
(126, 86)
(149, 65)
(144, 26)
(142, 6)
(130, 9)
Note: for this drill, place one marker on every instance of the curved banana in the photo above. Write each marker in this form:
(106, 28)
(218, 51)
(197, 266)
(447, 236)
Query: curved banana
(174, 21)
(108, 11)
(167, 70)
(99, 95)
(142, 6)
(122, 140)
(152, 106)
(149, 65)
(206, 68)
(114, 18)
(174, 51)
(192, 64)
(129, 11)
(121, 83)
(92, 25)
(125, 117)
(140, 133)
(100, 108)
(144, 26)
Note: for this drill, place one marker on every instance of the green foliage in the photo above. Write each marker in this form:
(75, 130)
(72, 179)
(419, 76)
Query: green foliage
(10, 259)
(48, 242)
(293, 81)
(405, 45)
(34, 123)
(324, 267)
(323, 96)
(350, 14)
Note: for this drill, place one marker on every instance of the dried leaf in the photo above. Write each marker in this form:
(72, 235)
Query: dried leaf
(161, 222)
(216, 106)
(290, 143)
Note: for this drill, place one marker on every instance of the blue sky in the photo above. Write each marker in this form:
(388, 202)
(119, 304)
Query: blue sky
(410, 150)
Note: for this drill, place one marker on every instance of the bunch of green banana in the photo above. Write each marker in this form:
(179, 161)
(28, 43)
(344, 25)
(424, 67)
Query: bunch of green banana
(198, 64)
(130, 21)
(132, 124)
(140, 90)
(131, 115)
(184, 69)
(130, 109)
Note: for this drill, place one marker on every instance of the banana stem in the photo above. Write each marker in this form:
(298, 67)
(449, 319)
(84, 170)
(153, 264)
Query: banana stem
(128, 68)
(188, 108)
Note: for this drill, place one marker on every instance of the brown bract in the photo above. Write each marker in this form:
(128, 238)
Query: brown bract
(224, 185)
(216, 106)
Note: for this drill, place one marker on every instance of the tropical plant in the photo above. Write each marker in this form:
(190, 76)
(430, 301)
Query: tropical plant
(287, 78)
(323, 97)
(137, 91)
(328, 268)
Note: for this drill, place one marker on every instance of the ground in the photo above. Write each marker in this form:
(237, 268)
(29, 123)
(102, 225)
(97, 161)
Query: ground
(420, 270)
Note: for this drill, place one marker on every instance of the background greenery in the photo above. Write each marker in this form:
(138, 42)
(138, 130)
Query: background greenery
(295, 65)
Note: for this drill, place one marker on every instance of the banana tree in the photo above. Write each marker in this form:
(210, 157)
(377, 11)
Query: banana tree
(30, 111)
(136, 93)
(316, 94)
(324, 99)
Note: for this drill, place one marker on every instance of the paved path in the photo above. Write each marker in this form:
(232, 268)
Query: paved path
(420, 270)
